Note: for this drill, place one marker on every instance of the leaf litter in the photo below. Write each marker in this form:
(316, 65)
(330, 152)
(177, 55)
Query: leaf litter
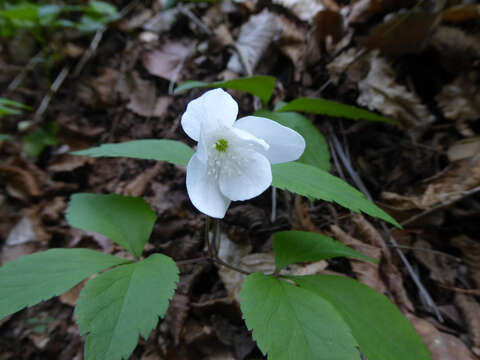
(416, 64)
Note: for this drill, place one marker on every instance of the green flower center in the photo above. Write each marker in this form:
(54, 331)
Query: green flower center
(221, 145)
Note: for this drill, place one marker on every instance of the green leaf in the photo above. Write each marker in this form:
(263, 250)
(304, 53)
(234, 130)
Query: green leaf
(117, 306)
(128, 221)
(172, 151)
(40, 138)
(382, 332)
(290, 323)
(332, 108)
(10, 107)
(12, 103)
(103, 8)
(5, 137)
(33, 278)
(316, 151)
(261, 86)
(293, 246)
(310, 181)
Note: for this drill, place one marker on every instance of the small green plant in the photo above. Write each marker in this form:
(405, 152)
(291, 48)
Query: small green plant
(42, 19)
(10, 107)
(291, 317)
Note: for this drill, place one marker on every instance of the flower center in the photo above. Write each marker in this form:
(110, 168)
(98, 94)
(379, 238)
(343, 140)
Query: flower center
(221, 145)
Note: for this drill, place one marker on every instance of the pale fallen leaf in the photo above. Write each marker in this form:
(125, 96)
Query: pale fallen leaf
(464, 149)
(460, 101)
(304, 9)
(254, 39)
(442, 345)
(167, 61)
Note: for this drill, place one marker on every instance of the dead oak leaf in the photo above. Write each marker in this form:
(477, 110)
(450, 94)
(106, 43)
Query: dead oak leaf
(167, 61)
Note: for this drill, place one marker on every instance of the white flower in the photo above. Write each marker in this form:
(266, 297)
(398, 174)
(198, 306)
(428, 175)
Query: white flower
(233, 158)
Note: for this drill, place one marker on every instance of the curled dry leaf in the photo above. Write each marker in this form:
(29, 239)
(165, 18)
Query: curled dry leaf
(138, 185)
(442, 346)
(460, 101)
(470, 309)
(21, 183)
(380, 91)
(167, 62)
(254, 39)
(304, 9)
(450, 186)
(362, 10)
(464, 149)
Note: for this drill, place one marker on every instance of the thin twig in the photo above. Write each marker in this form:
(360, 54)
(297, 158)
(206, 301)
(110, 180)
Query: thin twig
(19, 78)
(186, 11)
(52, 91)
(359, 183)
(234, 268)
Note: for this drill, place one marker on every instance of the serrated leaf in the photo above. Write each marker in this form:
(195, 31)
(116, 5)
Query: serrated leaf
(332, 108)
(290, 323)
(33, 278)
(310, 181)
(261, 86)
(382, 332)
(316, 151)
(128, 221)
(117, 306)
(292, 247)
(174, 152)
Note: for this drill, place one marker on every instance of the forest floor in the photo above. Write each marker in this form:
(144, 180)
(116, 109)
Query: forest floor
(414, 62)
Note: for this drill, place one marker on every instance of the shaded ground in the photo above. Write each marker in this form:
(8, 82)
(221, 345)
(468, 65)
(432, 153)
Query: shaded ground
(425, 172)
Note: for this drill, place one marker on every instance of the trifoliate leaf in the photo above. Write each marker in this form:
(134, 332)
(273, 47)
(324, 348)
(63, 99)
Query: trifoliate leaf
(128, 221)
(382, 332)
(261, 86)
(290, 323)
(292, 247)
(33, 278)
(332, 108)
(310, 181)
(172, 151)
(316, 150)
(121, 304)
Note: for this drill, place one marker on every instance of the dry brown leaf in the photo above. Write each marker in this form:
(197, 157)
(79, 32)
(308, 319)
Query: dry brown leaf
(459, 50)
(135, 21)
(461, 13)
(304, 9)
(328, 25)
(462, 176)
(139, 185)
(471, 253)
(380, 91)
(254, 38)
(22, 183)
(177, 315)
(471, 313)
(362, 10)
(71, 296)
(442, 270)
(460, 101)
(442, 346)
(67, 162)
(143, 98)
(167, 61)
(292, 43)
(162, 21)
(403, 34)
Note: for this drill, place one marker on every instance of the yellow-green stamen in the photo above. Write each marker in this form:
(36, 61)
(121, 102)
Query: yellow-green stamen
(221, 145)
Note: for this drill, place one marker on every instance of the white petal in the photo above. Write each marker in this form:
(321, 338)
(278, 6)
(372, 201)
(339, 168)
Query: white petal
(214, 109)
(203, 190)
(285, 144)
(246, 179)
